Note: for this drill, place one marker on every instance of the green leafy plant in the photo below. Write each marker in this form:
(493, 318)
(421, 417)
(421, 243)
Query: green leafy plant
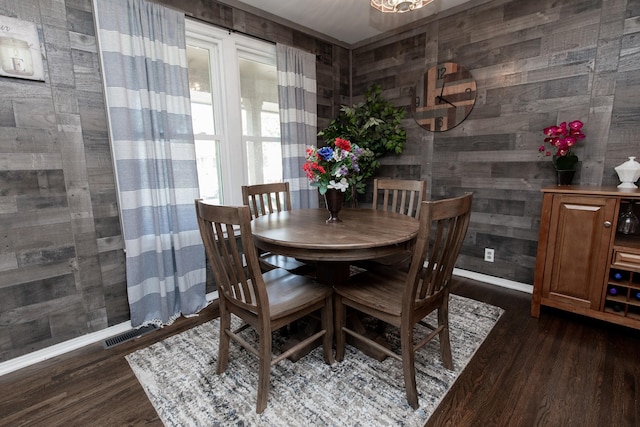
(374, 125)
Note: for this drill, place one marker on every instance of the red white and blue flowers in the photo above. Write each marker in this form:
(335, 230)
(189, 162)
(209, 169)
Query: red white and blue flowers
(330, 167)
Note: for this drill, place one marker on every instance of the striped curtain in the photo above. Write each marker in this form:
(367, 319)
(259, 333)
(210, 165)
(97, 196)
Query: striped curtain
(143, 53)
(299, 119)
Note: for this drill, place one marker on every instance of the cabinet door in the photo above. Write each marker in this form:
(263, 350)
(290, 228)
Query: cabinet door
(578, 249)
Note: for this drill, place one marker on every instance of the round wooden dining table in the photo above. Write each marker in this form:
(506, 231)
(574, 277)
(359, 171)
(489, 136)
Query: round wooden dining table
(363, 234)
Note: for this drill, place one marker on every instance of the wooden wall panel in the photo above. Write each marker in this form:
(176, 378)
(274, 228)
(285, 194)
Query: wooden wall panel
(536, 64)
(51, 285)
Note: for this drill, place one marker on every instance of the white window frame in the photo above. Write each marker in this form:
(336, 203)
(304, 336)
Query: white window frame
(225, 47)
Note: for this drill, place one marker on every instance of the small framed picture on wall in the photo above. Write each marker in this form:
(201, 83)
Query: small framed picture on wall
(20, 49)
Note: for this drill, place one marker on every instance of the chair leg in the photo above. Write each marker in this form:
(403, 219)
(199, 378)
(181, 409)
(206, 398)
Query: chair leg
(264, 369)
(408, 366)
(445, 343)
(327, 325)
(340, 313)
(223, 348)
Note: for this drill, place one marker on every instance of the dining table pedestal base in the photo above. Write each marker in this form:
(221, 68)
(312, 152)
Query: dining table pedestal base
(304, 328)
(355, 323)
(332, 273)
(327, 272)
(311, 324)
(337, 272)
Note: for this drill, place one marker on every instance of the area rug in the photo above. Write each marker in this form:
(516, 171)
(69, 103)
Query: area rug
(178, 375)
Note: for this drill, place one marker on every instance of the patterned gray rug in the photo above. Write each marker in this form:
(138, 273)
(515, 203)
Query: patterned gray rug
(178, 375)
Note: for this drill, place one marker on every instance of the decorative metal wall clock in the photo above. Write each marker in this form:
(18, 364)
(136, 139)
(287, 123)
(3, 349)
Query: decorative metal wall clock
(444, 97)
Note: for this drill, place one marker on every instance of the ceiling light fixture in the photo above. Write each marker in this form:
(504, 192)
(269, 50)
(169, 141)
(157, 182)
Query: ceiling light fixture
(398, 6)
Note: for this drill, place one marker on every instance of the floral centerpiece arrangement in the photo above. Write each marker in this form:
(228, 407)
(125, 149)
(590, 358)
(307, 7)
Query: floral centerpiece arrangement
(330, 167)
(562, 138)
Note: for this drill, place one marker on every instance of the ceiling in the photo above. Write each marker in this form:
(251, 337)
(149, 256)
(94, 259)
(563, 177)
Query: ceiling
(346, 21)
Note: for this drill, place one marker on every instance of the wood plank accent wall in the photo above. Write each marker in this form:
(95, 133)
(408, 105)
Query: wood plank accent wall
(62, 269)
(536, 63)
(62, 266)
(61, 260)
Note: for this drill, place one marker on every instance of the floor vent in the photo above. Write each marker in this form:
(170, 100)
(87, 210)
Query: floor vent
(128, 336)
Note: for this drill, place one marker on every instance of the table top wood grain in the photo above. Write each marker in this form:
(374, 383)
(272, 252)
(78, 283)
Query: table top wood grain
(362, 234)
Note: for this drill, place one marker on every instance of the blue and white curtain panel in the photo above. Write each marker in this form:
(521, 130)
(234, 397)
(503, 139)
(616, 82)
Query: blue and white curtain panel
(297, 95)
(143, 53)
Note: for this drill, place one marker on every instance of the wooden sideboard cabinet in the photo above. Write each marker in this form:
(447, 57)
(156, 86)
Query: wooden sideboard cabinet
(584, 264)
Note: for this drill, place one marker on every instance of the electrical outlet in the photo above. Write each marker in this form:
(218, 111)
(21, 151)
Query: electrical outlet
(488, 254)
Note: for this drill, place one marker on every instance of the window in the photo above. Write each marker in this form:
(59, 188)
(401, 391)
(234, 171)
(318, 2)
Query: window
(234, 103)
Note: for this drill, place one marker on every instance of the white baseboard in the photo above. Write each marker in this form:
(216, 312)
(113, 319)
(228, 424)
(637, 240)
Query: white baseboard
(70, 345)
(493, 280)
(61, 348)
(212, 296)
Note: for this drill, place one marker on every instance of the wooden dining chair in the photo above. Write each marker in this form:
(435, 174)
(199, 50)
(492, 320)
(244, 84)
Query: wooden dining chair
(264, 301)
(401, 196)
(264, 199)
(403, 299)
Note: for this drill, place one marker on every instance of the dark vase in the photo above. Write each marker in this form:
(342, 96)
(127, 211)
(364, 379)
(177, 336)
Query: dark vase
(334, 200)
(565, 177)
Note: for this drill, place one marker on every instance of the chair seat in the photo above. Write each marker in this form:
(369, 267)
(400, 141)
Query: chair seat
(380, 288)
(288, 292)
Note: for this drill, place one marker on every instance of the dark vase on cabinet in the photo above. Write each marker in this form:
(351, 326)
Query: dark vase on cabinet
(565, 177)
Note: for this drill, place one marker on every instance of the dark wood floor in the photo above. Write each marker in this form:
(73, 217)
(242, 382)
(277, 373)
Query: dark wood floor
(559, 370)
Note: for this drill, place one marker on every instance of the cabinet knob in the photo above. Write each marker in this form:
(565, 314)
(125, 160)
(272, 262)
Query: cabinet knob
(607, 224)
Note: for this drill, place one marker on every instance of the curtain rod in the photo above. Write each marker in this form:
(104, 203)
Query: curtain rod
(195, 18)
(232, 30)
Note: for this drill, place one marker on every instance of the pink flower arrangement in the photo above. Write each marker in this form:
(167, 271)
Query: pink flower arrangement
(562, 138)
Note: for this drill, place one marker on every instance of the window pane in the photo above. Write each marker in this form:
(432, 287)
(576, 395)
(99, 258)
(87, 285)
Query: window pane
(207, 160)
(207, 146)
(198, 69)
(202, 118)
(264, 160)
(260, 121)
(270, 122)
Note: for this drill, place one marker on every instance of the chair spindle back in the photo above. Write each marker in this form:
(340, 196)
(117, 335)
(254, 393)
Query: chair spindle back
(443, 226)
(234, 263)
(399, 195)
(264, 199)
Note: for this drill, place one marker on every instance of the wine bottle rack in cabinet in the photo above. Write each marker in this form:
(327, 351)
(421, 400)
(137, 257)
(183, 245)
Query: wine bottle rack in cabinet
(623, 293)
